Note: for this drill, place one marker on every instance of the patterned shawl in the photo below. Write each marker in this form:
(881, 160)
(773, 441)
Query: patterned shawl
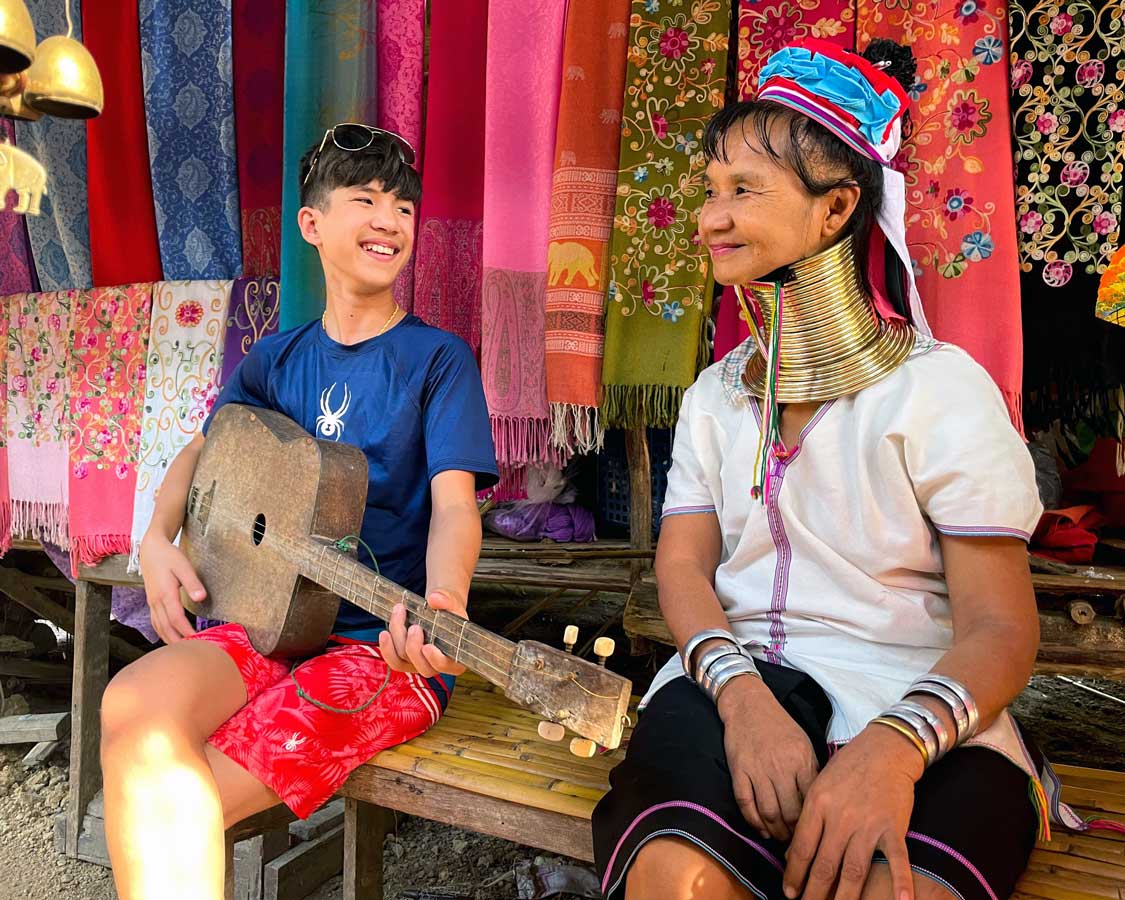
(17, 271)
(39, 340)
(107, 382)
(60, 235)
(586, 151)
(1069, 125)
(251, 316)
(959, 224)
(660, 292)
(5, 492)
(258, 38)
(189, 105)
(185, 351)
(401, 30)
(521, 101)
(123, 247)
(335, 39)
(448, 252)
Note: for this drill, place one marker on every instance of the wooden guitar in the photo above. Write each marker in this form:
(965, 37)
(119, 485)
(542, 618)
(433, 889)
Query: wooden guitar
(266, 507)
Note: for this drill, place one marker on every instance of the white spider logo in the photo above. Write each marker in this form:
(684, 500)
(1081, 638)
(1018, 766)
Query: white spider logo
(330, 423)
(294, 742)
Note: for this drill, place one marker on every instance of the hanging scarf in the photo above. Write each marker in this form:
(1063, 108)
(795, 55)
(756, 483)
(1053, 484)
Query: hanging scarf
(5, 491)
(258, 39)
(1069, 127)
(586, 151)
(189, 102)
(107, 387)
(185, 350)
(251, 316)
(401, 29)
(60, 235)
(17, 272)
(765, 26)
(660, 291)
(447, 278)
(330, 72)
(521, 105)
(958, 181)
(123, 243)
(39, 340)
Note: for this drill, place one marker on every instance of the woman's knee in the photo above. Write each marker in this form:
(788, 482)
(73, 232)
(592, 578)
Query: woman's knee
(667, 867)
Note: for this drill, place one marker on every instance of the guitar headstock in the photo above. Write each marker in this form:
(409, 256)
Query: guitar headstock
(585, 697)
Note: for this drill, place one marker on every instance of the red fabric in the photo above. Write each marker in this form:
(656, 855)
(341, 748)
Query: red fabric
(258, 42)
(1068, 535)
(304, 753)
(123, 245)
(1096, 481)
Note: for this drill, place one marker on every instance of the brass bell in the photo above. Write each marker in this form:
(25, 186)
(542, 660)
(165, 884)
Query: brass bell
(64, 80)
(17, 37)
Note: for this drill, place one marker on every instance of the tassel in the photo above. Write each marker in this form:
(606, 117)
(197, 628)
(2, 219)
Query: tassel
(1105, 825)
(1039, 801)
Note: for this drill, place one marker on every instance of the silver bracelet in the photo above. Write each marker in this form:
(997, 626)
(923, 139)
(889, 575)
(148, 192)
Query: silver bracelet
(709, 657)
(972, 712)
(945, 743)
(698, 638)
(951, 700)
(732, 668)
(919, 726)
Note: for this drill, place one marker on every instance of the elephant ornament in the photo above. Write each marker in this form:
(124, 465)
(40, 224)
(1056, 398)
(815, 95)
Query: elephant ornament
(569, 259)
(22, 173)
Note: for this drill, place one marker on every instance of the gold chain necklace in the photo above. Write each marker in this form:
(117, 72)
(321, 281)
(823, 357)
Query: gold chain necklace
(386, 325)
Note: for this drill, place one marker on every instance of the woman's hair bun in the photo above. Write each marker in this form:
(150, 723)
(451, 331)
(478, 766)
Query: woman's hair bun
(902, 66)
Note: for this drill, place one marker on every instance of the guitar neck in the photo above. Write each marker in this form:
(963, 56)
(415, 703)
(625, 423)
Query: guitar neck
(485, 653)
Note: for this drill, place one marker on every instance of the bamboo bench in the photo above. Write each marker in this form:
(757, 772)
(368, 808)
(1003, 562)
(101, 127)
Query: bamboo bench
(483, 767)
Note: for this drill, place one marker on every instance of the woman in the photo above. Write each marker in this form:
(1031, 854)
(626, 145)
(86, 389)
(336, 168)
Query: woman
(847, 513)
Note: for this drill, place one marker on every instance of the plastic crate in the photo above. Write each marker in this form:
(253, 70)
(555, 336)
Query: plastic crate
(613, 476)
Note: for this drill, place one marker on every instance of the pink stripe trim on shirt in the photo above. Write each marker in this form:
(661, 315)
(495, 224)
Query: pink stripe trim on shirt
(685, 510)
(945, 848)
(982, 531)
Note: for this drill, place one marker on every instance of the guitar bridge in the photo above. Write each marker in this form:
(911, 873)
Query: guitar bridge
(199, 505)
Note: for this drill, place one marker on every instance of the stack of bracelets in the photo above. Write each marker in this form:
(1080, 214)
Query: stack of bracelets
(924, 728)
(717, 666)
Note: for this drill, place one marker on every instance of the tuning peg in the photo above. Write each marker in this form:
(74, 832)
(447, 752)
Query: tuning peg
(551, 731)
(603, 649)
(583, 747)
(570, 637)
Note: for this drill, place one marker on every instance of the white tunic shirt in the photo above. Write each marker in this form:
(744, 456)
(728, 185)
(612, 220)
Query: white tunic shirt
(839, 573)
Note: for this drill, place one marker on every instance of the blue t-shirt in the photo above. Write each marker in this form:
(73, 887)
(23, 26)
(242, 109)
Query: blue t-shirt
(411, 399)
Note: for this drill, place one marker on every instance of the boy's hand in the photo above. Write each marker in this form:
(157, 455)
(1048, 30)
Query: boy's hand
(405, 649)
(165, 570)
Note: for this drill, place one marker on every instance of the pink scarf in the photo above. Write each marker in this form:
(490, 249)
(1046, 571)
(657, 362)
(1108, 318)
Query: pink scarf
(5, 493)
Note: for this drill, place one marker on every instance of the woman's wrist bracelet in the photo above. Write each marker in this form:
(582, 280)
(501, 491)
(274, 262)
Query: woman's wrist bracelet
(908, 734)
(698, 638)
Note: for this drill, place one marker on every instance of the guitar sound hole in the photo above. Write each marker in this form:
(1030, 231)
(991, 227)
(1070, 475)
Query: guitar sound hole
(259, 528)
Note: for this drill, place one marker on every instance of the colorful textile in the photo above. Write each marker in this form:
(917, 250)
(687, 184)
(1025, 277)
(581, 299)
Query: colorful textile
(1069, 125)
(660, 291)
(1069, 535)
(185, 348)
(1111, 291)
(16, 267)
(39, 340)
(448, 251)
(252, 315)
(107, 382)
(189, 104)
(60, 235)
(525, 42)
(400, 29)
(258, 39)
(5, 492)
(330, 77)
(123, 243)
(959, 225)
(586, 152)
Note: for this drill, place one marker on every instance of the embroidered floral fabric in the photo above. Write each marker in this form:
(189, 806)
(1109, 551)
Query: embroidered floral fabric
(253, 314)
(765, 26)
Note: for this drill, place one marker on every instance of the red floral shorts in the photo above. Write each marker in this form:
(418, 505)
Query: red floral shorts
(292, 743)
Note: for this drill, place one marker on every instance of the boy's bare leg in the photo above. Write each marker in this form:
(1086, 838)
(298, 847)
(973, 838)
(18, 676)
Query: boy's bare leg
(168, 797)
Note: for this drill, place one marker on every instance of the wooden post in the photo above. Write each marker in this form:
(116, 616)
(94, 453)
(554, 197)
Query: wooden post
(640, 494)
(365, 830)
(91, 672)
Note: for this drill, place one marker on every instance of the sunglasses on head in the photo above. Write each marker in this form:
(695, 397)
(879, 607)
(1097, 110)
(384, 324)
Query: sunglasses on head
(353, 136)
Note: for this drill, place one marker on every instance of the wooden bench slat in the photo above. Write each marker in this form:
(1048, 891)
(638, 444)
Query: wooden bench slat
(1063, 886)
(1098, 801)
(1045, 861)
(1076, 773)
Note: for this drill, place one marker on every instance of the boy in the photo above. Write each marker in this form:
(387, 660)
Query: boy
(205, 731)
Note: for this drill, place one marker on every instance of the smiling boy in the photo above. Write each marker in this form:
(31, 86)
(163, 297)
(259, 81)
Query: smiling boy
(205, 732)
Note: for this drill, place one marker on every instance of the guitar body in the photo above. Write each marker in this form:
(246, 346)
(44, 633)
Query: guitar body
(260, 474)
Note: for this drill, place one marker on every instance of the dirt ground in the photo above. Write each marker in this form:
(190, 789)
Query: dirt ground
(1071, 724)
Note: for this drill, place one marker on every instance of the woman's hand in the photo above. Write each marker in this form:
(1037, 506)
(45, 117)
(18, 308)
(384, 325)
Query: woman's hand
(772, 764)
(860, 803)
(405, 649)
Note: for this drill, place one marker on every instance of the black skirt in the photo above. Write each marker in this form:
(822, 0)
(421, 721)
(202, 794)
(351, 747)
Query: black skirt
(972, 829)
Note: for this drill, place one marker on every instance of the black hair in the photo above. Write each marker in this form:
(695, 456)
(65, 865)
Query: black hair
(821, 160)
(338, 168)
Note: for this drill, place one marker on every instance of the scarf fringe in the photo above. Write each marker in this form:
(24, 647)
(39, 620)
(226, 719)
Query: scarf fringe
(638, 405)
(576, 429)
(91, 549)
(1014, 401)
(5, 526)
(512, 485)
(42, 521)
(522, 440)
